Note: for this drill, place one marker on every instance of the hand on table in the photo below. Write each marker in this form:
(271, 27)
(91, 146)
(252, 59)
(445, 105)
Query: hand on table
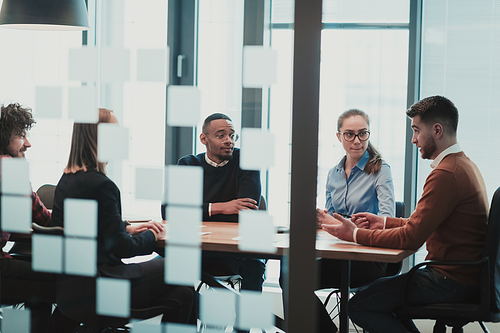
(336, 225)
(233, 206)
(368, 221)
(156, 227)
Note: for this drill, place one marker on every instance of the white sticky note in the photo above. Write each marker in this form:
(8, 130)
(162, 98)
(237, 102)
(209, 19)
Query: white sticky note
(113, 297)
(16, 214)
(255, 310)
(180, 328)
(152, 65)
(80, 218)
(256, 230)
(16, 321)
(217, 307)
(183, 185)
(113, 141)
(49, 102)
(182, 265)
(115, 64)
(259, 66)
(82, 106)
(257, 149)
(47, 251)
(183, 106)
(15, 176)
(80, 256)
(82, 64)
(148, 183)
(184, 225)
(141, 326)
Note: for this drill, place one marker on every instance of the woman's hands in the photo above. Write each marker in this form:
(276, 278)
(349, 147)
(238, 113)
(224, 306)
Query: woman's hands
(156, 227)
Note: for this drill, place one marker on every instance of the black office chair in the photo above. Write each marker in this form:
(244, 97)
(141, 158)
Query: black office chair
(46, 194)
(457, 315)
(391, 270)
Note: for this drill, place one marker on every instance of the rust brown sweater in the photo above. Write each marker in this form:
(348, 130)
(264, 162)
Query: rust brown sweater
(451, 216)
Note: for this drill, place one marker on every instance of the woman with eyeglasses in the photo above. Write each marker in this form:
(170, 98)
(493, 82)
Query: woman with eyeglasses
(360, 182)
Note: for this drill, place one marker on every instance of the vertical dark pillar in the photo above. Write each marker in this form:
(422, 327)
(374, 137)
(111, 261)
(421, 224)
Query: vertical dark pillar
(301, 315)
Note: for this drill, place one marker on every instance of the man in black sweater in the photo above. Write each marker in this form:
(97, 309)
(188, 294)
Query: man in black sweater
(227, 190)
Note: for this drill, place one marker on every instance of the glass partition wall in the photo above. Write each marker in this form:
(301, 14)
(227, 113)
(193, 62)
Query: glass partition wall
(238, 58)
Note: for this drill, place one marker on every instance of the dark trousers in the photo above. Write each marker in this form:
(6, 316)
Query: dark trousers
(362, 273)
(373, 308)
(251, 270)
(32, 290)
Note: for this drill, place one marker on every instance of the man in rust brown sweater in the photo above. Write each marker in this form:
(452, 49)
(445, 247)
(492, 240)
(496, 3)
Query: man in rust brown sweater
(451, 217)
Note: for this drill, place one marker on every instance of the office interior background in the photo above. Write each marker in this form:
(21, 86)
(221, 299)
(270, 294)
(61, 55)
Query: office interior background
(369, 61)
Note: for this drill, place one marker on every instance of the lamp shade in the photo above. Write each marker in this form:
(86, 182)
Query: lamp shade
(44, 14)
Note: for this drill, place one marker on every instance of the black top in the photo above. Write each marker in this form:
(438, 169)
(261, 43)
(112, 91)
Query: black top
(113, 240)
(222, 184)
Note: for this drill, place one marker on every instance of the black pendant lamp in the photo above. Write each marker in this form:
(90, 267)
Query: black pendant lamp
(44, 14)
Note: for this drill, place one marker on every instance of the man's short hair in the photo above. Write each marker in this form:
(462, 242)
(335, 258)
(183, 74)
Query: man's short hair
(16, 120)
(213, 116)
(436, 109)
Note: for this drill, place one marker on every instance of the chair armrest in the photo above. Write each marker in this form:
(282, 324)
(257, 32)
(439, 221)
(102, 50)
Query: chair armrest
(38, 229)
(484, 284)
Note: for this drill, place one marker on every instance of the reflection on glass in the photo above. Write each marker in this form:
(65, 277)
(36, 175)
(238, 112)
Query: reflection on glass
(148, 183)
(259, 66)
(183, 106)
(255, 309)
(80, 256)
(113, 142)
(183, 185)
(113, 297)
(82, 106)
(182, 265)
(256, 230)
(180, 328)
(82, 64)
(217, 307)
(49, 102)
(80, 218)
(152, 65)
(184, 225)
(15, 176)
(16, 214)
(115, 64)
(17, 321)
(138, 326)
(47, 253)
(257, 149)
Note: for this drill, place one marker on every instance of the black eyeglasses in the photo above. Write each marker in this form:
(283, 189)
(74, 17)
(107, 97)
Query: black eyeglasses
(350, 136)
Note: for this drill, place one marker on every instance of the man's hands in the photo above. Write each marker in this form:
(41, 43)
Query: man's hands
(336, 225)
(233, 206)
(156, 227)
(343, 228)
(368, 221)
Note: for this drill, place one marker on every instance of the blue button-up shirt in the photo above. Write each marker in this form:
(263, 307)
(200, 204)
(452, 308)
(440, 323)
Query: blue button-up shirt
(362, 192)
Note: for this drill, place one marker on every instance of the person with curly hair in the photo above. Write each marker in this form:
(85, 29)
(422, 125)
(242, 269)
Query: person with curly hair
(15, 122)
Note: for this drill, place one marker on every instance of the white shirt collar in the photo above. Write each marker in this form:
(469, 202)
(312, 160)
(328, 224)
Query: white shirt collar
(450, 150)
(215, 165)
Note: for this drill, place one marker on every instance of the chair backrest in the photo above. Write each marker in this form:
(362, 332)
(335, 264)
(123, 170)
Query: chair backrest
(492, 249)
(400, 209)
(46, 194)
(262, 203)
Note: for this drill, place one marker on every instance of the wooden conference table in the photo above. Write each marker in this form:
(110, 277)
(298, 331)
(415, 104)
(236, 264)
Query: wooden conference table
(223, 237)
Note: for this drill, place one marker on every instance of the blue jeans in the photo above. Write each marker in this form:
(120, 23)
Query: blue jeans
(373, 308)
